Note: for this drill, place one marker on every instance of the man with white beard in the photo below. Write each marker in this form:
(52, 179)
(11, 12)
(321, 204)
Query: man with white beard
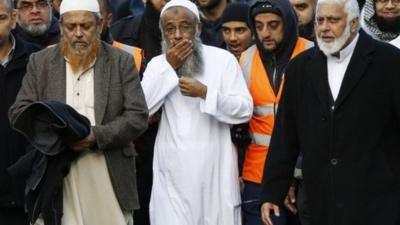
(340, 108)
(202, 92)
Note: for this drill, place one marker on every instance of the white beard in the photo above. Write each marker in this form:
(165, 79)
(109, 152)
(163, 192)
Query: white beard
(194, 64)
(336, 45)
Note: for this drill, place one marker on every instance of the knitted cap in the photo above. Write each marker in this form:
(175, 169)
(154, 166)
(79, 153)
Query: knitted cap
(236, 11)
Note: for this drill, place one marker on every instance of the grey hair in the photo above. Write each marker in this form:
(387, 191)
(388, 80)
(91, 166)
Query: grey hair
(350, 7)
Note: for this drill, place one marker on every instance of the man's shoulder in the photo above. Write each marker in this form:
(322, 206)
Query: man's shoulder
(215, 53)
(113, 52)
(48, 53)
(305, 55)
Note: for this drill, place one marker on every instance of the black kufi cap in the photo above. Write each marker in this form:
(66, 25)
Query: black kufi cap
(236, 12)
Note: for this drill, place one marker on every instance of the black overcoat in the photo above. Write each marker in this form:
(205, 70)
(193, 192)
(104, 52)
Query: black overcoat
(351, 147)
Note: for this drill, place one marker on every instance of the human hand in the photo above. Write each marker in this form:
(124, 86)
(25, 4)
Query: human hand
(266, 209)
(179, 52)
(85, 143)
(241, 184)
(192, 87)
(290, 200)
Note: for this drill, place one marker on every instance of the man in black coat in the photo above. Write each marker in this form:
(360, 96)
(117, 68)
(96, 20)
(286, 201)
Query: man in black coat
(14, 56)
(36, 23)
(341, 108)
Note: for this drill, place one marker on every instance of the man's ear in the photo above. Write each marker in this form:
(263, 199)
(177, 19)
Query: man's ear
(100, 26)
(109, 19)
(199, 27)
(13, 15)
(354, 23)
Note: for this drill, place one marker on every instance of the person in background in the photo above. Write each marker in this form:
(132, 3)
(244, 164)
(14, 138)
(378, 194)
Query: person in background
(35, 22)
(211, 12)
(341, 108)
(56, 8)
(274, 24)
(14, 55)
(235, 28)
(107, 37)
(381, 19)
(305, 11)
(202, 92)
(238, 37)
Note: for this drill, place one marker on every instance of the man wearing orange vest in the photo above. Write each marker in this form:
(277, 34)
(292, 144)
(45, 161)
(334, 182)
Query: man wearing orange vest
(274, 24)
(106, 36)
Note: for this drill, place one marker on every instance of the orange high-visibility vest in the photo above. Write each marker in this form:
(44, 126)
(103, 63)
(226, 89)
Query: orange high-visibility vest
(265, 102)
(136, 52)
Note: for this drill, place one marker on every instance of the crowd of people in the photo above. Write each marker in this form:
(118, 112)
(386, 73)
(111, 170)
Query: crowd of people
(204, 112)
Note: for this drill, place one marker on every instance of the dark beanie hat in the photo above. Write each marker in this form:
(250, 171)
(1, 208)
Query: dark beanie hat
(264, 6)
(236, 11)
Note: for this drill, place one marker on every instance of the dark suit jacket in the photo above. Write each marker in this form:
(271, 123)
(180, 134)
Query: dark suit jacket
(120, 108)
(12, 144)
(351, 147)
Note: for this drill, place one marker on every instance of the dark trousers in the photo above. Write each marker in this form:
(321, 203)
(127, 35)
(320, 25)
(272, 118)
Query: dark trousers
(251, 206)
(13, 216)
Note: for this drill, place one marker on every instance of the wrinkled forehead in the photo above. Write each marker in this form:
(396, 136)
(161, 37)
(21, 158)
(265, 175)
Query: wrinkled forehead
(178, 13)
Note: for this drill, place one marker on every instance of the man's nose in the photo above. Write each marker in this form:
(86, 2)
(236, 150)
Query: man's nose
(390, 5)
(78, 32)
(324, 26)
(233, 36)
(178, 34)
(265, 32)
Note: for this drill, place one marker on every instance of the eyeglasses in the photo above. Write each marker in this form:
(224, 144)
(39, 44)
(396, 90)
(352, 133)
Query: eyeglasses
(184, 28)
(385, 2)
(28, 6)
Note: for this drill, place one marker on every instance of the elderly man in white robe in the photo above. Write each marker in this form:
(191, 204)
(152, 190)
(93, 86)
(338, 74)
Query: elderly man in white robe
(202, 92)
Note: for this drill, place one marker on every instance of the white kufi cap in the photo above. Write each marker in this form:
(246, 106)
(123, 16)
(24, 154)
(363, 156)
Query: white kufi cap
(79, 5)
(184, 3)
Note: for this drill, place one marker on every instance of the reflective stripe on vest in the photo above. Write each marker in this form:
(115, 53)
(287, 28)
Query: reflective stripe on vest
(260, 139)
(264, 110)
(265, 105)
(136, 52)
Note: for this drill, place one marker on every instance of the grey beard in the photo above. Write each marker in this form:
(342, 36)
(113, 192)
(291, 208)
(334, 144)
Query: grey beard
(194, 64)
(36, 30)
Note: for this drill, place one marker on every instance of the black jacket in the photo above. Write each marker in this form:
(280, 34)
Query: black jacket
(50, 127)
(52, 36)
(351, 146)
(141, 31)
(12, 144)
(211, 33)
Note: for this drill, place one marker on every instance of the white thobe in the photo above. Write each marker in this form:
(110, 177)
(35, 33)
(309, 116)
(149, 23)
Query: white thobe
(195, 166)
